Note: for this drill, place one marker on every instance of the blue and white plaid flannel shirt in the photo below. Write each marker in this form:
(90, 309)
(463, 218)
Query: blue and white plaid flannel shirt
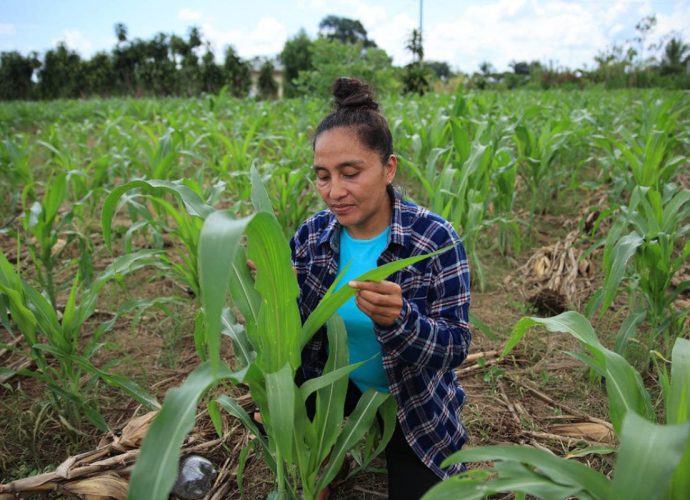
(429, 340)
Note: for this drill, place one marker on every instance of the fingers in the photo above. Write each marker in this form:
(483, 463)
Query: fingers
(384, 287)
(381, 301)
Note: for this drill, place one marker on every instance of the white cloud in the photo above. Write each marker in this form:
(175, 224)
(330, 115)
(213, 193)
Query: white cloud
(265, 39)
(188, 15)
(392, 36)
(7, 29)
(676, 22)
(75, 40)
(561, 32)
(502, 31)
(311, 4)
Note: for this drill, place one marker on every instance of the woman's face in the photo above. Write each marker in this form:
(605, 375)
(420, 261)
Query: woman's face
(352, 181)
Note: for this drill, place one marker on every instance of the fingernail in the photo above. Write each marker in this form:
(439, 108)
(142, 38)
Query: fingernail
(352, 284)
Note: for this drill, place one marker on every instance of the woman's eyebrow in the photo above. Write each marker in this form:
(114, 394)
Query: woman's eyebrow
(346, 163)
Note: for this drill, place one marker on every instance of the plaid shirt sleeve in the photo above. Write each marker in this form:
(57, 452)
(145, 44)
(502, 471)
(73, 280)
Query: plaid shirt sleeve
(435, 334)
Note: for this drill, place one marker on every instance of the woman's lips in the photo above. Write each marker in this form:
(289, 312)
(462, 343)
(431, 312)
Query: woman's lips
(341, 209)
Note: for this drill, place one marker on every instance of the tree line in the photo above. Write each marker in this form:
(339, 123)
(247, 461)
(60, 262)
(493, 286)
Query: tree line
(170, 65)
(165, 65)
(633, 63)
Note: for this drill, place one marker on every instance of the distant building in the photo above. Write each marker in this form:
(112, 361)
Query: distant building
(255, 71)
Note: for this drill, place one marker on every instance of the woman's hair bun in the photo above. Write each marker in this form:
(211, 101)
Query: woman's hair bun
(352, 93)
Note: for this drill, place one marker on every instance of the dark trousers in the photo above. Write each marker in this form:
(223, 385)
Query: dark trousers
(408, 477)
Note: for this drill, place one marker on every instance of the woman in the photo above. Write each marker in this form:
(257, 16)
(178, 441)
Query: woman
(416, 322)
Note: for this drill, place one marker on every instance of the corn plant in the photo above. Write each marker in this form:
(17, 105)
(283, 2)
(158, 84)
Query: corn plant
(652, 459)
(292, 191)
(539, 149)
(187, 227)
(57, 344)
(301, 451)
(504, 195)
(15, 154)
(456, 184)
(45, 224)
(421, 129)
(649, 155)
(650, 255)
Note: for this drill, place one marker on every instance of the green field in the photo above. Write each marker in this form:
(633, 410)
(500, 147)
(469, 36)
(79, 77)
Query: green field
(566, 201)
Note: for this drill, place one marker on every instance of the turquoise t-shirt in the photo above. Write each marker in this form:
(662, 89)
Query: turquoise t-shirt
(361, 339)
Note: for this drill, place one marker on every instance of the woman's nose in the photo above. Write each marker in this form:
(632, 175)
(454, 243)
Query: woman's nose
(337, 189)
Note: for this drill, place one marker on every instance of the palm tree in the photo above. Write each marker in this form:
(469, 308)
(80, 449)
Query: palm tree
(121, 32)
(676, 56)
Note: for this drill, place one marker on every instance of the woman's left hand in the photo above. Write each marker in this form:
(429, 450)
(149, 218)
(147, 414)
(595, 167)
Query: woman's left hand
(380, 300)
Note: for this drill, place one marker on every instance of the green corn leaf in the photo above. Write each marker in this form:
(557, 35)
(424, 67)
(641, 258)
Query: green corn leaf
(647, 458)
(337, 280)
(260, 198)
(156, 468)
(46, 318)
(624, 385)
(302, 438)
(56, 190)
(330, 399)
(330, 305)
(214, 415)
(314, 384)
(194, 205)
(121, 266)
(625, 390)
(569, 322)
(220, 238)
(419, 176)
(388, 413)
(628, 330)
(70, 321)
(678, 407)
(242, 292)
(526, 482)
(558, 470)
(114, 380)
(536, 485)
(94, 416)
(623, 250)
(242, 465)
(457, 487)
(596, 363)
(354, 429)
(234, 409)
(279, 322)
(678, 410)
(674, 207)
(483, 327)
(22, 315)
(4, 317)
(280, 390)
(242, 348)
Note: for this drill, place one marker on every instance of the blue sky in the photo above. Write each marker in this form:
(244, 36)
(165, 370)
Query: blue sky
(461, 32)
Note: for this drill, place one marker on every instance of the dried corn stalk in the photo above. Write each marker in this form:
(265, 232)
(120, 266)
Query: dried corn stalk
(556, 277)
(103, 473)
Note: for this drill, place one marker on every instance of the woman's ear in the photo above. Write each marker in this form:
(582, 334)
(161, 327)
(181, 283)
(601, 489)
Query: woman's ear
(391, 167)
